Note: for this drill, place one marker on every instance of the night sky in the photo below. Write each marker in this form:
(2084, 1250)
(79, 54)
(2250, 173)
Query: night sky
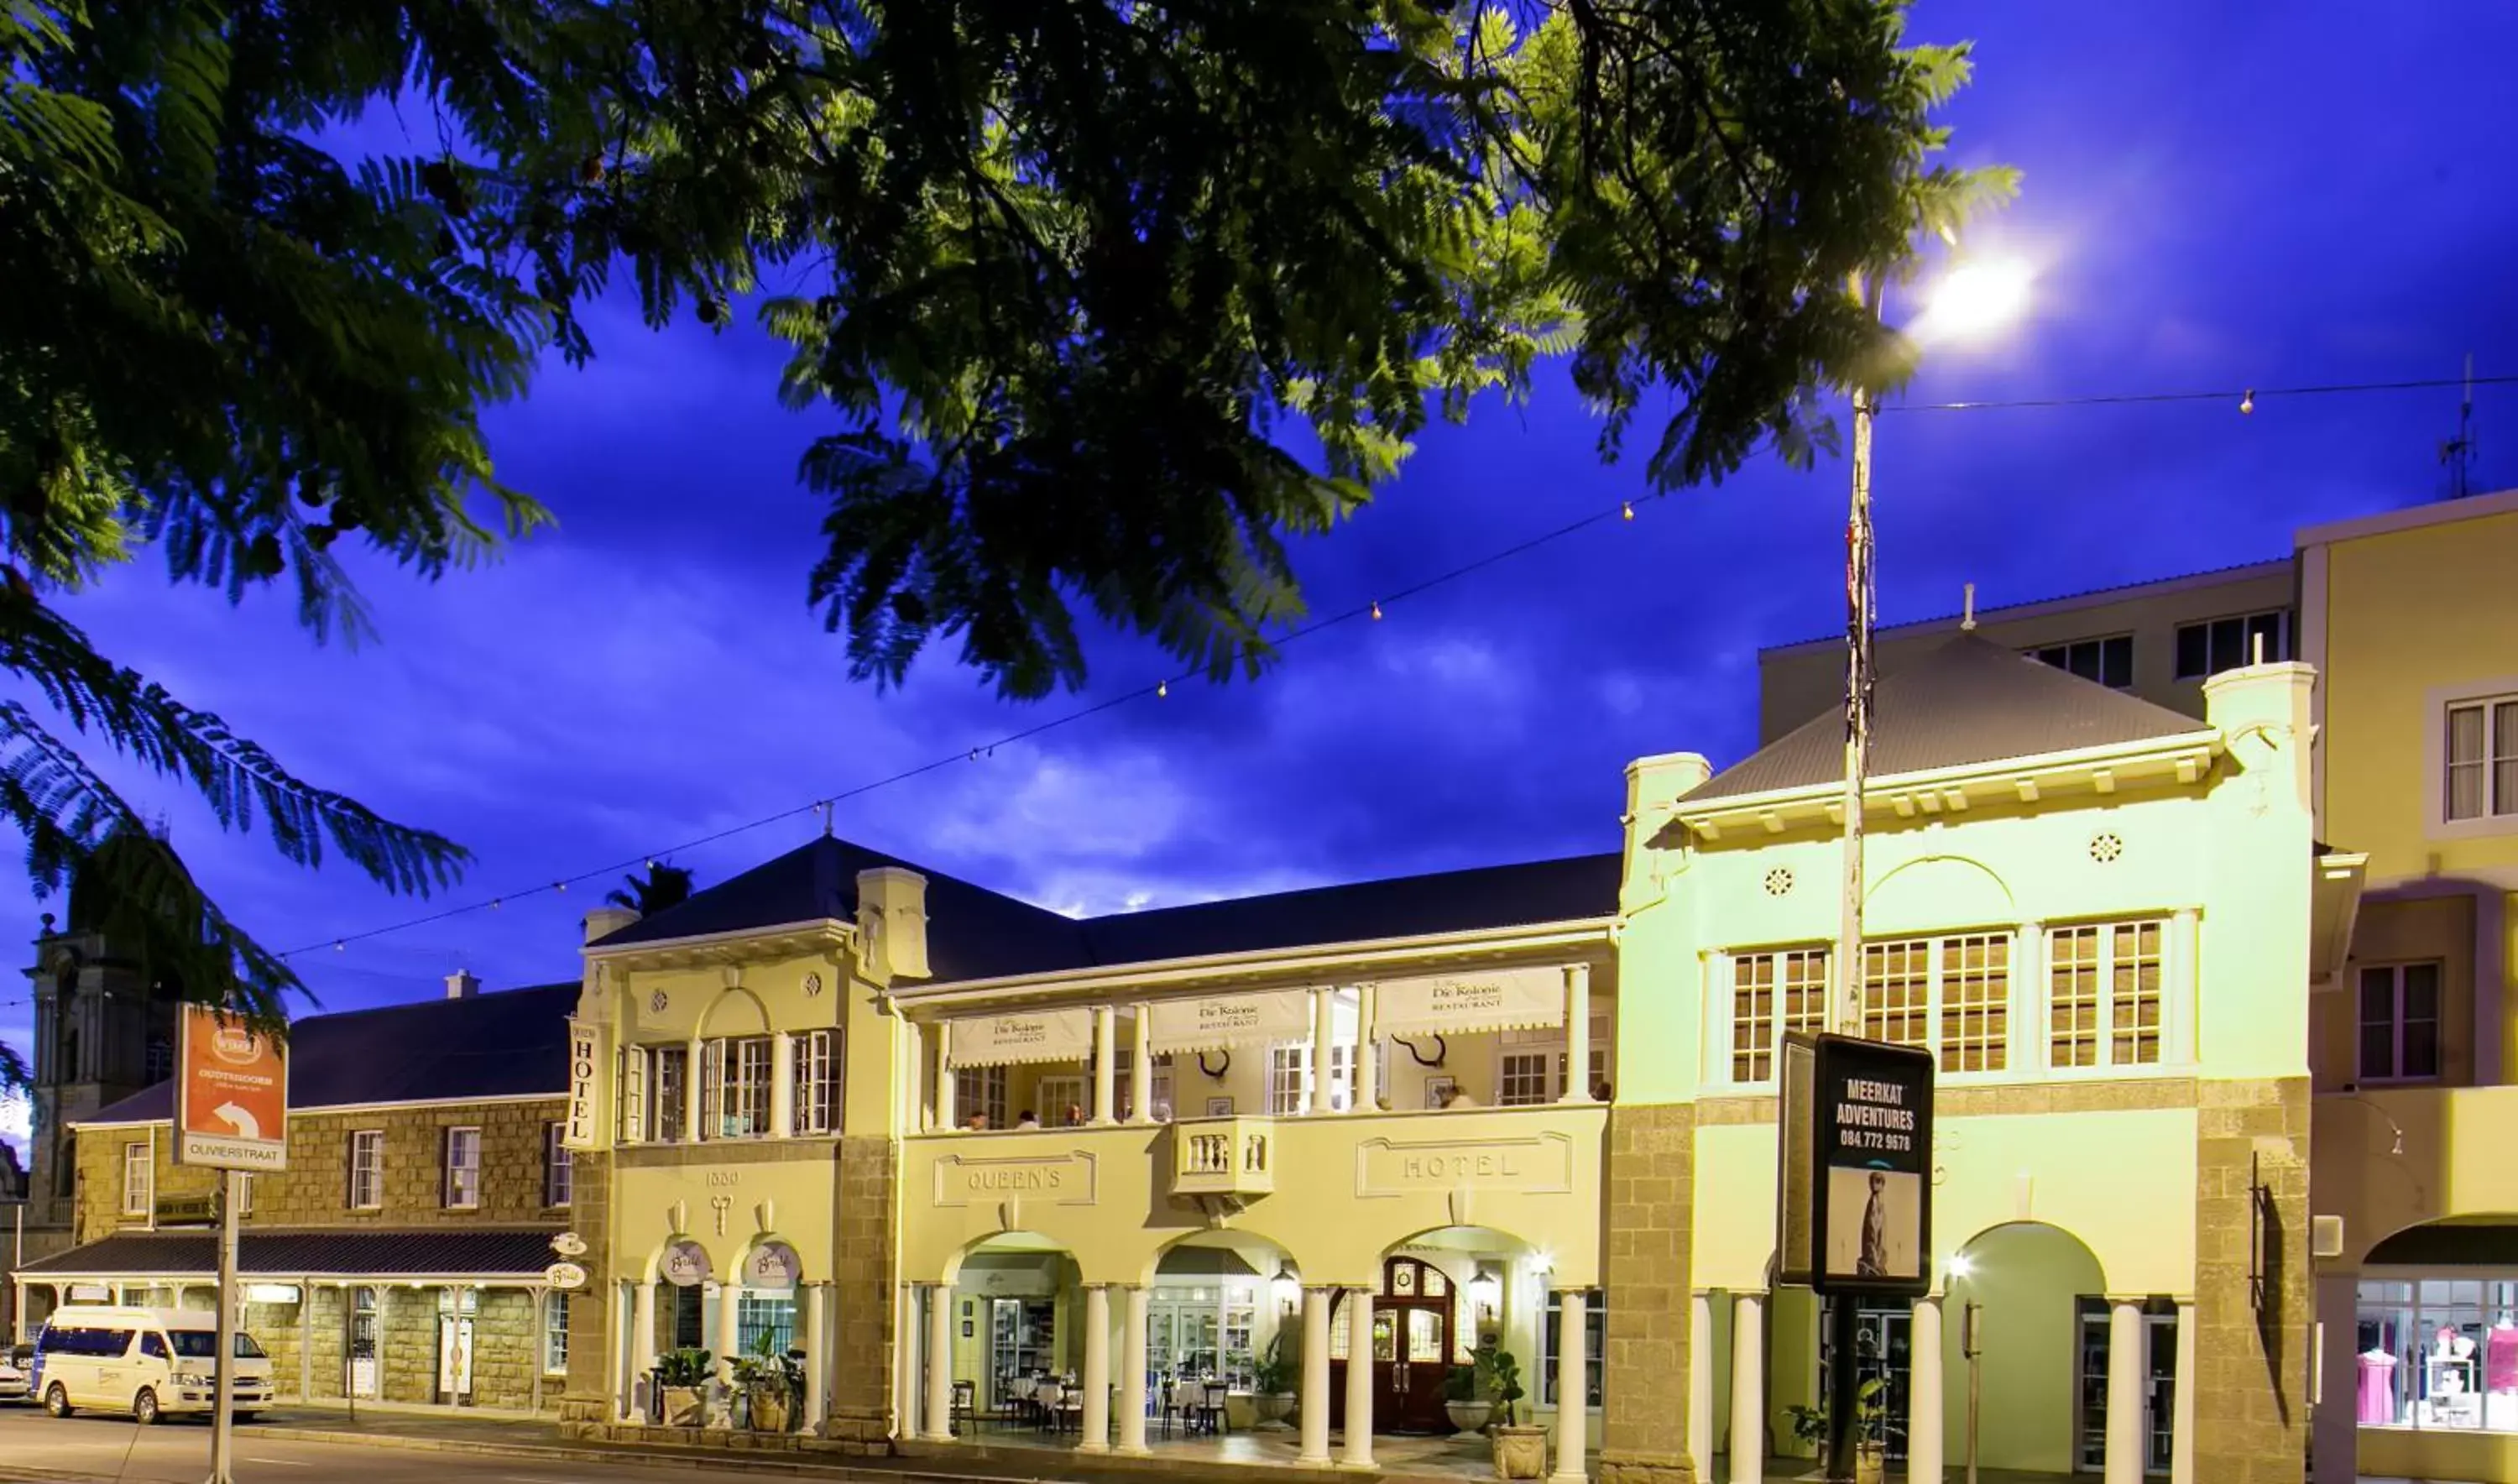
(2216, 196)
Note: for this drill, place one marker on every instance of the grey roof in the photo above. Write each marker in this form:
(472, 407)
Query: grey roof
(437, 1252)
(975, 932)
(509, 1044)
(1968, 701)
(2202, 576)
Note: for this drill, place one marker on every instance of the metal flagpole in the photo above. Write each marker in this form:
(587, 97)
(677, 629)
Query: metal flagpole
(223, 1396)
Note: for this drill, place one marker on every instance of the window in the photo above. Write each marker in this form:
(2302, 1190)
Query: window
(1162, 1089)
(664, 1093)
(139, 1165)
(2103, 994)
(2434, 1349)
(1596, 1323)
(981, 1090)
(2400, 1022)
(2108, 661)
(1772, 997)
(463, 1168)
(245, 1194)
(1951, 994)
(1062, 1101)
(740, 1072)
(688, 1312)
(817, 1083)
(368, 1169)
(554, 1334)
(1522, 1078)
(559, 1166)
(765, 1320)
(2482, 759)
(1288, 1078)
(2207, 649)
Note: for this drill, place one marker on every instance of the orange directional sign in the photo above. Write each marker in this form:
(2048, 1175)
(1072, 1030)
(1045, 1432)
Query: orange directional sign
(230, 1094)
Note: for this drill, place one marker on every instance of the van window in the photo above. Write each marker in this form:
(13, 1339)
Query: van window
(202, 1344)
(102, 1344)
(154, 1346)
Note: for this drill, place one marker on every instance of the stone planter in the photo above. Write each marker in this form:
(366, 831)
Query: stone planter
(686, 1407)
(1470, 1416)
(1272, 1408)
(1870, 1464)
(1520, 1452)
(770, 1411)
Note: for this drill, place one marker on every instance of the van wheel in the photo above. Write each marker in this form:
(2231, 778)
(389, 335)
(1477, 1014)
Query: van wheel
(57, 1401)
(144, 1408)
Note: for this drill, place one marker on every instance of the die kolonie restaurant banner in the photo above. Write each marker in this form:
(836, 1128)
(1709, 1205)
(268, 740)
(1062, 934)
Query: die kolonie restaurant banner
(1855, 1213)
(1030, 1036)
(1462, 1004)
(1212, 1022)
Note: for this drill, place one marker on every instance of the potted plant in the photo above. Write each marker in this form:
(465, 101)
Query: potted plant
(770, 1381)
(1870, 1425)
(1462, 1402)
(1520, 1450)
(1272, 1382)
(681, 1380)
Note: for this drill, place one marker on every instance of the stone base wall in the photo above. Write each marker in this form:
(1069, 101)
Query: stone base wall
(862, 1338)
(2252, 1368)
(586, 1394)
(1651, 1172)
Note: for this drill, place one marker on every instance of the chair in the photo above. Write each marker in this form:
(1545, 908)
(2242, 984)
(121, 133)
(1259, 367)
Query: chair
(1207, 1416)
(966, 1405)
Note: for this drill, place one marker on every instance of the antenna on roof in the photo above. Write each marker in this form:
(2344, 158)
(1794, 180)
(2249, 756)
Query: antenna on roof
(1968, 621)
(2458, 452)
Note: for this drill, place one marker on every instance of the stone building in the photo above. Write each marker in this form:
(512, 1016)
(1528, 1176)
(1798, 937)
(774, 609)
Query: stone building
(401, 1257)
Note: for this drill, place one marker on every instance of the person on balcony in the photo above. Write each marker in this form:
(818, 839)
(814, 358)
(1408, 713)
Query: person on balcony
(976, 1122)
(1459, 1097)
(1028, 1122)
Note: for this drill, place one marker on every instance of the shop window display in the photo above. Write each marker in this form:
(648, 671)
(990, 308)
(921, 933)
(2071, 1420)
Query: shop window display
(2438, 1353)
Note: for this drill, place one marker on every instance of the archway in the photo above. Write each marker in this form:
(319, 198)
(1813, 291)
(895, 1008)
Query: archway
(1016, 1324)
(1439, 1296)
(2041, 1317)
(2434, 1333)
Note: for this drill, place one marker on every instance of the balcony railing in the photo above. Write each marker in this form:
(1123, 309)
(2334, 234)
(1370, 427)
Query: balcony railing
(1223, 1156)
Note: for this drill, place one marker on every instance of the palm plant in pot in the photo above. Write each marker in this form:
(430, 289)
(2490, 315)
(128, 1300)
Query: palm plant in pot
(1273, 1381)
(1870, 1430)
(682, 1380)
(770, 1381)
(1462, 1402)
(1520, 1450)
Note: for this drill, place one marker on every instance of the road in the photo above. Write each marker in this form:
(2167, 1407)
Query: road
(36, 1447)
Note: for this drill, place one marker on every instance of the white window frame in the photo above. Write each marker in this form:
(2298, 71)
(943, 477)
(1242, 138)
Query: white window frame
(244, 1192)
(367, 1177)
(559, 1168)
(666, 1089)
(2279, 649)
(139, 1178)
(1595, 1347)
(744, 1071)
(2104, 968)
(981, 1090)
(2394, 1073)
(1935, 1000)
(554, 1332)
(1778, 1025)
(1057, 1092)
(1289, 1079)
(1552, 1045)
(815, 1097)
(462, 1185)
(2499, 815)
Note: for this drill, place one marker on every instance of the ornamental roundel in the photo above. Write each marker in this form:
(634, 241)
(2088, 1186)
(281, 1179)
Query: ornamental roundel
(1779, 881)
(812, 986)
(657, 1002)
(2105, 845)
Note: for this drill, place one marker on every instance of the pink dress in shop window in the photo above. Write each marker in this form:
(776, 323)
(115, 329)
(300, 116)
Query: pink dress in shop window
(2377, 1390)
(2500, 1359)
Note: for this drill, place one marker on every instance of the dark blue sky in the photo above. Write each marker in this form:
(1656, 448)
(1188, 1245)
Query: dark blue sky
(2224, 195)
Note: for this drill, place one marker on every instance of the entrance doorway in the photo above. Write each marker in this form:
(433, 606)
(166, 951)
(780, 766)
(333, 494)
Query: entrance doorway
(455, 1311)
(2159, 1391)
(1412, 1350)
(1020, 1335)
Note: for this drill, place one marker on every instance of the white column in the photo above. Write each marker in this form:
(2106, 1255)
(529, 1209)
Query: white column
(2185, 987)
(1324, 1025)
(1358, 1449)
(2181, 1441)
(943, 1032)
(1141, 1069)
(1105, 1051)
(782, 1084)
(1578, 1035)
(815, 1355)
(694, 1072)
(1699, 1384)
(2030, 985)
(642, 1347)
(1572, 1376)
(1367, 1061)
(1097, 1353)
(2128, 1372)
(1924, 1392)
(729, 1341)
(1748, 1388)
(1314, 1401)
(1132, 1340)
(940, 1362)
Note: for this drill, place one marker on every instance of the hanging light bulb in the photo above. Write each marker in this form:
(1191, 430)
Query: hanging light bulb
(1627, 509)
(1376, 610)
(560, 887)
(495, 903)
(340, 945)
(1162, 688)
(2247, 403)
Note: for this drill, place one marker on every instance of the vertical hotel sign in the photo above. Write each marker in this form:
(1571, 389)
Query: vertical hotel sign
(230, 1094)
(585, 1085)
(1856, 1209)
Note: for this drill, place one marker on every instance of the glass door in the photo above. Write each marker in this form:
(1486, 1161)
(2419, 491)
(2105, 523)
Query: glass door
(2159, 1391)
(1881, 1353)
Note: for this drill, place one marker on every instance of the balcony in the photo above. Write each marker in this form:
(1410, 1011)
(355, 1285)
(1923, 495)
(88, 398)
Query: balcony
(1233, 1160)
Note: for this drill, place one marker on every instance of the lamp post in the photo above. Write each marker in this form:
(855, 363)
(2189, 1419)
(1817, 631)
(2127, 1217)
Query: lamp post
(1970, 300)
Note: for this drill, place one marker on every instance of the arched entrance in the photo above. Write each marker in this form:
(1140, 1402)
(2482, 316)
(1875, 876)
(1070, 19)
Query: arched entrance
(1415, 1342)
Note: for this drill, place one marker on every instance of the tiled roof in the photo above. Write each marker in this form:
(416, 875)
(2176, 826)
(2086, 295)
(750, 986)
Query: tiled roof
(510, 1044)
(449, 1253)
(1967, 700)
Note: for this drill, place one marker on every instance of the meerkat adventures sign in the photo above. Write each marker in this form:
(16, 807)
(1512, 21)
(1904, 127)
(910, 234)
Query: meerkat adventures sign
(1856, 1203)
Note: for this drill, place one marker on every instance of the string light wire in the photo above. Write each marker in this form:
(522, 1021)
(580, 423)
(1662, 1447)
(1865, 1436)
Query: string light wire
(1621, 510)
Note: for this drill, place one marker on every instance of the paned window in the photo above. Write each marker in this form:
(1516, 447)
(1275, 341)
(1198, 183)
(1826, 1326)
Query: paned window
(669, 1091)
(245, 1194)
(1289, 1080)
(138, 1166)
(2108, 661)
(764, 1324)
(559, 1166)
(1595, 1324)
(817, 1082)
(1897, 991)
(1773, 995)
(2207, 649)
(554, 1334)
(368, 1169)
(1951, 995)
(2482, 759)
(980, 1090)
(1522, 1078)
(463, 1170)
(2400, 1022)
(744, 1072)
(2103, 994)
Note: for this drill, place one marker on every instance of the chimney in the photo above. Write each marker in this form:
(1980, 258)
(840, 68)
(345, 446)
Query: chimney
(603, 922)
(462, 984)
(2270, 704)
(892, 922)
(1654, 787)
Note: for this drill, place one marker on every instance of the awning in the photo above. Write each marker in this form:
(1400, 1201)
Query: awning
(509, 1255)
(1033, 1036)
(1457, 1004)
(1214, 1022)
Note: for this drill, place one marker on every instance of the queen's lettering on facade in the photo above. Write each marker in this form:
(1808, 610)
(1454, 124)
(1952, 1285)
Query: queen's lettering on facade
(1489, 1164)
(1042, 1178)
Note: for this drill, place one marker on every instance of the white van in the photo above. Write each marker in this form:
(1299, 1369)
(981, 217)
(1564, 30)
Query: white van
(151, 1363)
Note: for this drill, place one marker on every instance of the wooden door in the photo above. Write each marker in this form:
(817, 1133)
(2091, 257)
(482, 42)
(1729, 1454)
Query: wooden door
(1412, 1351)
